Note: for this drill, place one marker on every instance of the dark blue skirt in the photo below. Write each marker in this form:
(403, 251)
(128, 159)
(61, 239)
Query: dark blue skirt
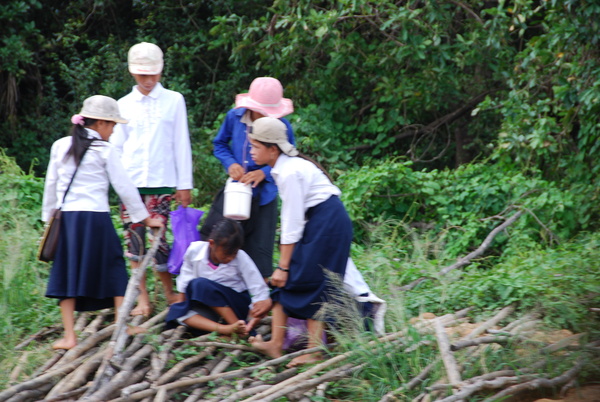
(202, 293)
(89, 264)
(325, 245)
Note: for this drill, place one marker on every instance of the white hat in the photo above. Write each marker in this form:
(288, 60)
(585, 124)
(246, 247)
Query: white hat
(102, 108)
(272, 131)
(145, 58)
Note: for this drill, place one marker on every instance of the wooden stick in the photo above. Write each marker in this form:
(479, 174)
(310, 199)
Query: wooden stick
(467, 259)
(39, 381)
(122, 378)
(85, 345)
(162, 358)
(77, 377)
(537, 384)
(184, 383)
(178, 368)
(40, 334)
(333, 375)
(505, 312)
(452, 370)
(116, 346)
(496, 383)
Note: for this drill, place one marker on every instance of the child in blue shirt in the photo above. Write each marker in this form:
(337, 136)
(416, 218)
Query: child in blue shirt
(232, 148)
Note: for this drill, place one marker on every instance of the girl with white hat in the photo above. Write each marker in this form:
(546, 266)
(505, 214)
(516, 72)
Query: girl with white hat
(316, 233)
(88, 271)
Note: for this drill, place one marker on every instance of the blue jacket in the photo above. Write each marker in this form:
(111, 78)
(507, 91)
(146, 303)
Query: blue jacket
(231, 145)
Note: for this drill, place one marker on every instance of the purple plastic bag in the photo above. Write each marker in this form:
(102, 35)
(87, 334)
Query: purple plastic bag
(296, 335)
(184, 224)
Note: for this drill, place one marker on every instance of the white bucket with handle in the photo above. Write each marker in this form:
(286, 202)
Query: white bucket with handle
(237, 200)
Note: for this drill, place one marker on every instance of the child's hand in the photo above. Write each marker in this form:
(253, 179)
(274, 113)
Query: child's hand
(184, 197)
(261, 308)
(253, 178)
(279, 278)
(154, 223)
(235, 171)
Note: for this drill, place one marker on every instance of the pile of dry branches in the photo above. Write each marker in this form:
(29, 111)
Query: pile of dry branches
(230, 371)
(134, 359)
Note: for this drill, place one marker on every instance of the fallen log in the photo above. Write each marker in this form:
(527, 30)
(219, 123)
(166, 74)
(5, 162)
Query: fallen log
(537, 383)
(463, 261)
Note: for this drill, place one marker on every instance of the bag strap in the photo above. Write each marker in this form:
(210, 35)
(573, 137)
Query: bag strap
(75, 172)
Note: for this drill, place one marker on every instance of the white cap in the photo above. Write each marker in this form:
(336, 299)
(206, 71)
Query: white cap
(145, 58)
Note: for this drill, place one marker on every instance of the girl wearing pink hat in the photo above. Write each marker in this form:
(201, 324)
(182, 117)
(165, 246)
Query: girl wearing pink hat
(232, 148)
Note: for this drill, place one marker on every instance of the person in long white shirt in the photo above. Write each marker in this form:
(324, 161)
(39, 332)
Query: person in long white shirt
(156, 153)
(316, 233)
(88, 271)
(220, 283)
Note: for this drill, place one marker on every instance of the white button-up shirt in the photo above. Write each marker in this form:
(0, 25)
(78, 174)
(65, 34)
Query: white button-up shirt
(99, 167)
(155, 144)
(301, 185)
(240, 274)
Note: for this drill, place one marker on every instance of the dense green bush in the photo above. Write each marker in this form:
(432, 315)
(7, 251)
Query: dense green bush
(23, 307)
(464, 203)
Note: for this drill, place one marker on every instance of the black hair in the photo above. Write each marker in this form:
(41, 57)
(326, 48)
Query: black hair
(228, 234)
(300, 155)
(81, 141)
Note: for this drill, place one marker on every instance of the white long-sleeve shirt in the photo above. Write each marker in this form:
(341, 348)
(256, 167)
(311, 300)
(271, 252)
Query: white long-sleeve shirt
(155, 144)
(301, 185)
(99, 167)
(240, 274)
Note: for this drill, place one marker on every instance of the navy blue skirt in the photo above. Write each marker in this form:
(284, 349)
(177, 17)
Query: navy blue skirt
(325, 245)
(202, 292)
(89, 264)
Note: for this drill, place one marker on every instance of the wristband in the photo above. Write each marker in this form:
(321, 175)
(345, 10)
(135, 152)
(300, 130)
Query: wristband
(283, 269)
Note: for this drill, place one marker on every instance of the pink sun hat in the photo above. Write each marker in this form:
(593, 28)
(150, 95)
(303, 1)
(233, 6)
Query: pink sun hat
(265, 97)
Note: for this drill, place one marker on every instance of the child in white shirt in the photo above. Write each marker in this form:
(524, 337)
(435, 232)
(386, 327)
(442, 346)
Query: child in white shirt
(220, 283)
(88, 272)
(156, 152)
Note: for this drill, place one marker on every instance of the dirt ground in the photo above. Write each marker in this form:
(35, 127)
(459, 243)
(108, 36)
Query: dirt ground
(589, 393)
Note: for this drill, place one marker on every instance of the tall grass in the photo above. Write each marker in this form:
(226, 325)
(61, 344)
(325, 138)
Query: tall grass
(23, 308)
(559, 283)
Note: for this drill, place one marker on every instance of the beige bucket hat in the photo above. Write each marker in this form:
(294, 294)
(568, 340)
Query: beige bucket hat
(102, 108)
(272, 131)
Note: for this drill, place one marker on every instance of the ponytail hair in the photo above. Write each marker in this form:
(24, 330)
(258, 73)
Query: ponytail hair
(300, 155)
(228, 234)
(81, 141)
(317, 164)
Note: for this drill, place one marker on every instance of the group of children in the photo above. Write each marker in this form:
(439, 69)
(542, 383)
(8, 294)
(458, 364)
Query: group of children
(224, 281)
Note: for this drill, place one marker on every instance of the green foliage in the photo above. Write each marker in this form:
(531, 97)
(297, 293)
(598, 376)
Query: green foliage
(23, 307)
(550, 112)
(462, 203)
(349, 63)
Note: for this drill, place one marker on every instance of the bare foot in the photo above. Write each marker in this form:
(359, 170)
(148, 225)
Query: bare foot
(268, 348)
(305, 359)
(142, 309)
(64, 343)
(235, 328)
